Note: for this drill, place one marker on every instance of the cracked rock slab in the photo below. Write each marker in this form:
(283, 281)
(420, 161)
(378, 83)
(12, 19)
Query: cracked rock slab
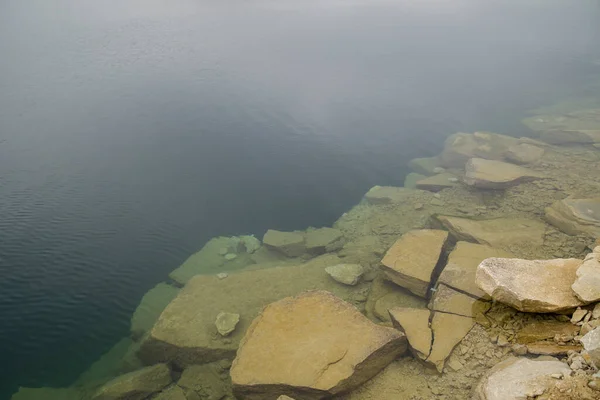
(311, 346)
(540, 286)
(491, 174)
(448, 331)
(414, 322)
(576, 216)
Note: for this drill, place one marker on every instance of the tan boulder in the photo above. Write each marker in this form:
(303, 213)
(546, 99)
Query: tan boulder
(460, 147)
(438, 182)
(411, 261)
(524, 153)
(587, 284)
(576, 216)
(291, 244)
(323, 240)
(311, 346)
(414, 322)
(448, 331)
(136, 385)
(530, 285)
(490, 174)
(459, 272)
(498, 232)
(519, 378)
(450, 301)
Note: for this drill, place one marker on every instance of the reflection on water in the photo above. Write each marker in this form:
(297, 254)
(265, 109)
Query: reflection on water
(133, 135)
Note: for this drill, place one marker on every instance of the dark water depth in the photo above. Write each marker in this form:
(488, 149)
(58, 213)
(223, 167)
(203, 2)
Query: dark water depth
(133, 131)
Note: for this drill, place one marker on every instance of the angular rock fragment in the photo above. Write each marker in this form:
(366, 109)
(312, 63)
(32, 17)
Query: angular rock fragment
(519, 378)
(576, 216)
(459, 272)
(450, 301)
(287, 350)
(448, 331)
(387, 195)
(461, 147)
(524, 153)
(438, 182)
(551, 348)
(205, 381)
(136, 385)
(292, 244)
(530, 285)
(537, 331)
(425, 165)
(385, 295)
(348, 274)
(489, 174)
(323, 240)
(414, 322)
(587, 285)
(226, 322)
(152, 304)
(591, 343)
(410, 261)
(498, 232)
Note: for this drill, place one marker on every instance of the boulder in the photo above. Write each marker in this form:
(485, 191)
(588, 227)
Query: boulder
(46, 393)
(576, 216)
(414, 322)
(226, 322)
(524, 153)
(411, 179)
(348, 274)
(519, 378)
(324, 240)
(459, 272)
(537, 331)
(205, 381)
(587, 284)
(438, 182)
(540, 286)
(387, 195)
(152, 304)
(490, 174)
(450, 301)
(288, 351)
(136, 385)
(498, 232)
(448, 331)
(211, 259)
(460, 147)
(411, 261)
(172, 392)
(185, 332)
(291, 244)
(425, 166)
(591, 344)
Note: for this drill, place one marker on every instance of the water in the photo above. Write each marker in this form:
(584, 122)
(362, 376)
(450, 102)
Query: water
(132, 132)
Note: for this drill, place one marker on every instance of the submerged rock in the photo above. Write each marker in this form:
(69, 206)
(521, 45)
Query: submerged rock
(438, 182)
(571, 136)
(152, 304)
(530, 285)
(448, 331)
(537, 331)
(185, 332)
(348, 274)
(324, 240)
(172, 392)
(411, 179)
(519, 378)
(488, 174)
(288, 351)
(410, 262)
(414, 322)
(46, 393)
(205, 382)
(587, 285)
(425, 165)
(576, 216)
(387, 195)
(461, 268)
(460, 147)
(524, 153)
(385, 295)
(591, 344)
(226, 322)
(136, 385)
(498, 232)
(292, 244)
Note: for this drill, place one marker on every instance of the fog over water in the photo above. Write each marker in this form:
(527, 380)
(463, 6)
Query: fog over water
(131, 132)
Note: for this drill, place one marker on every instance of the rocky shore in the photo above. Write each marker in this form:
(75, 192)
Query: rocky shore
(479, 279)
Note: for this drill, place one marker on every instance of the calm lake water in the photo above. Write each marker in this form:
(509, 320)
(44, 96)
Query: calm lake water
(131, 132)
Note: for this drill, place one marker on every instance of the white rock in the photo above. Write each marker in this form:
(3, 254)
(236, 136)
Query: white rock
(591, 343)
(226, 322)
(348, 274)
(222, 275)
(587, 285)
(230, 256)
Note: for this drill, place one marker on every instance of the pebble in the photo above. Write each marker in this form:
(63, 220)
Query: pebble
(230, 256)
(439, 170)
(222, 275)
(453, 180)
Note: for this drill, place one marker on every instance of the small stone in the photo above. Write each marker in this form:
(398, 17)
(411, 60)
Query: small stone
(578, 315)
(222, 275)
(439, 170)
(502, 340)
(348, 274)
(230, 256)
(557, 376)
(519, 349)
(419, 206)
(226, 322)
(596, 312)
(290, 244)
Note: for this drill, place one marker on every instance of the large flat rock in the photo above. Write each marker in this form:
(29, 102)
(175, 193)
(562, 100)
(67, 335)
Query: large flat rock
(385, 295)
(387, 195)
(498, 232)
(448, 300)
(530, 285)
(459, 272)
(414, 322)
(460, 147)
(491, 174)
(411, 261)
(291, 244)
(136, 385)
(576, 216)
(587, 284)
(185, 332)
(152, 304)
(324, 240)
(518, 378)
(448, 331)
(311, 346)
(438, 182)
